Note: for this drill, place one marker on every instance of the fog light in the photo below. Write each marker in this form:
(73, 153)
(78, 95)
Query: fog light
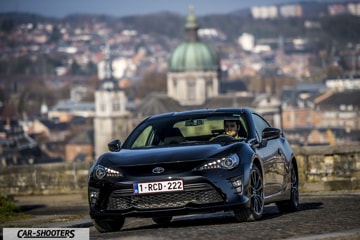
(238, 186)
(237, 183)
(93, 196)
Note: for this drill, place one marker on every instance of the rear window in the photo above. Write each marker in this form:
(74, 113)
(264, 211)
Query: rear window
(199, 130)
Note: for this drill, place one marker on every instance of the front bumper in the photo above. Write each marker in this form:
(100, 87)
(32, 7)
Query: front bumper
(199, 195)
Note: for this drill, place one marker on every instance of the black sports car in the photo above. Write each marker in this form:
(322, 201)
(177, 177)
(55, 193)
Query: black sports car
(190, 162)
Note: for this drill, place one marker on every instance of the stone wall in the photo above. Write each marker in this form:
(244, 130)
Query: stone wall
(321, 168)
(52, 178)
(329, 168)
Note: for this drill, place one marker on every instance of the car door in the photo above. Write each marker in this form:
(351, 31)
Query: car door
(272, 158)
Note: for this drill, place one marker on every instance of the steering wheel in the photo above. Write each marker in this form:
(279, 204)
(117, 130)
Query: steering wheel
(222, 138)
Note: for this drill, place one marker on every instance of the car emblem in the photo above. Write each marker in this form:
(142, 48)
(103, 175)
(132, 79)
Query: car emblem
(158, 170)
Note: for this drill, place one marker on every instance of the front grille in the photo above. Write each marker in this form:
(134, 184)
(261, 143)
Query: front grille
(193, 193)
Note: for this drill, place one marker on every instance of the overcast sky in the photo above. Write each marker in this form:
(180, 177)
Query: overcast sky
(116, 8)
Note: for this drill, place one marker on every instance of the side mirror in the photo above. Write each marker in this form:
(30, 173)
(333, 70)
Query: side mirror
(114, 146)
(271, 133)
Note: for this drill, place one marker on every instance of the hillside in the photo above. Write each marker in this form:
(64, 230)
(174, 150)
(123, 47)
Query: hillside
(339, 29)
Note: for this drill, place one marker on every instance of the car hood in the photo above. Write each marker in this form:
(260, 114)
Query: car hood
(143, 156)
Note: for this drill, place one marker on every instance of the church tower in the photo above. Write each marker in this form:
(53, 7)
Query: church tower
(193, 75)
(110, 109)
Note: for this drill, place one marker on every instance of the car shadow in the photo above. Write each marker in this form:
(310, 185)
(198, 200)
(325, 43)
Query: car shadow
(311, 206)
(270, 212)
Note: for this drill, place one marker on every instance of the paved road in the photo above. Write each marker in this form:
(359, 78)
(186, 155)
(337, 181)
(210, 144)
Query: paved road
(321, 216)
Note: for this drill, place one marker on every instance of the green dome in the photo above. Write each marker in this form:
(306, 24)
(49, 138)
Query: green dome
(193, 56)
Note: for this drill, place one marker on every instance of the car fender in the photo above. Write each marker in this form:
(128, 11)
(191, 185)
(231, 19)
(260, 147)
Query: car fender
(248, 158)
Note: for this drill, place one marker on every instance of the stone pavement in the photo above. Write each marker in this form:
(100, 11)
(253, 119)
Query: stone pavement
(67, 210)
(71, 210)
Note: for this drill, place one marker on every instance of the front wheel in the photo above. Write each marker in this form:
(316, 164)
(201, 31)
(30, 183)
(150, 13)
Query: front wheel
(108, 225)
(292, 204)
(256, 198)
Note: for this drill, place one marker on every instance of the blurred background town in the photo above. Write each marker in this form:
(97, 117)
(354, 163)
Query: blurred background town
(69, 85)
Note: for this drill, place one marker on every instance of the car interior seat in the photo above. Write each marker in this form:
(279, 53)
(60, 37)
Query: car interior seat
(173, 136)
(242, 133)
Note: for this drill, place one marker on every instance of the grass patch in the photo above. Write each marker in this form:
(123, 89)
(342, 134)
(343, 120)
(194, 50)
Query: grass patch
(9, 211)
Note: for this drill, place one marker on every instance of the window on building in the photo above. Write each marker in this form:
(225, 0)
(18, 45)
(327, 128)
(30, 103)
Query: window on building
(102, 107)
(209, 88)
(116, 106)
(191, 90)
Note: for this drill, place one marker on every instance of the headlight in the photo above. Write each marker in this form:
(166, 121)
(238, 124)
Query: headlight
(101, 172)
(227, 163)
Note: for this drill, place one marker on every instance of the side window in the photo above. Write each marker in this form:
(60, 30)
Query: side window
(260, 124)
(145, 138)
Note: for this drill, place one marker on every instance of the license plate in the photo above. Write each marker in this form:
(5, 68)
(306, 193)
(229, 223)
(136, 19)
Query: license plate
(158, 187)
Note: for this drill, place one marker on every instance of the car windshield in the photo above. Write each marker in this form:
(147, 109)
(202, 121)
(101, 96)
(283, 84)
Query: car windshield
(180, 130)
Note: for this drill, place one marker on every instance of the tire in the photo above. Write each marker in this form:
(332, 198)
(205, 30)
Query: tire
(108, 225)
(162, 220)
(255, 193)
(292, 204)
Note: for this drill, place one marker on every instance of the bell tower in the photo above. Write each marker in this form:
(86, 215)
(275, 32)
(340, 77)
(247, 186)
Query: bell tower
(110, 108)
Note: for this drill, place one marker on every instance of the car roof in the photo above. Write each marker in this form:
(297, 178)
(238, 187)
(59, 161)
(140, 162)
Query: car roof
(200, 112)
